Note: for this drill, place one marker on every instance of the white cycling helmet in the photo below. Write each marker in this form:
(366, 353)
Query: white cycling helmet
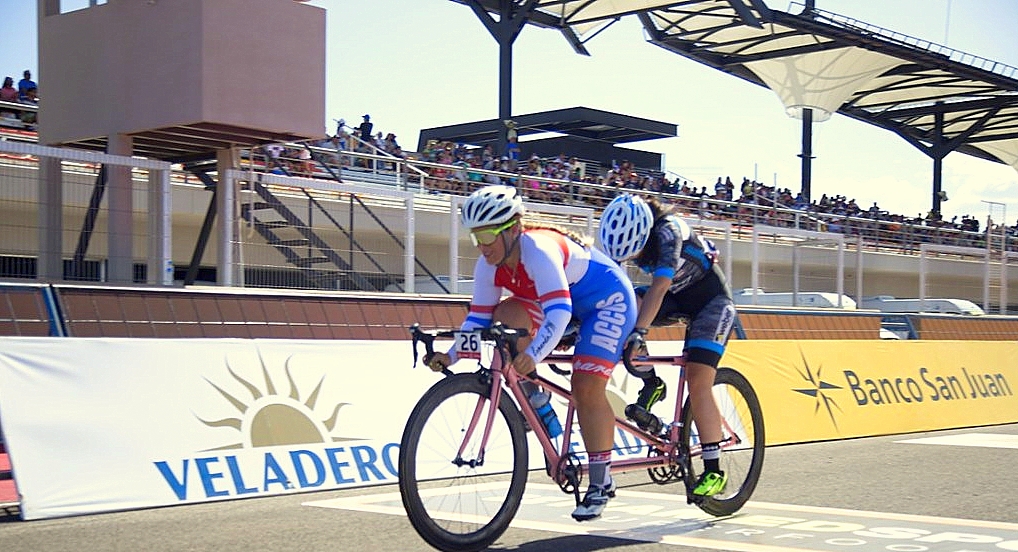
(491, 205)
(625, 227)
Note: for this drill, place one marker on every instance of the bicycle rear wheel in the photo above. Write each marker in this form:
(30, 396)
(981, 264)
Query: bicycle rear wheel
(743, 444)
(465, 502)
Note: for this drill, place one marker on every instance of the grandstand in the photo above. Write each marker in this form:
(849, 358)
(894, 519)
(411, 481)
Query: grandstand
(317, 217)
(345, 228)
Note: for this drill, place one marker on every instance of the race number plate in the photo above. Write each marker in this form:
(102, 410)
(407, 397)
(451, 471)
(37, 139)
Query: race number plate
(468, 345)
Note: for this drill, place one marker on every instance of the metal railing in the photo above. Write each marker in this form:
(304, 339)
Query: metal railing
(19, 115)
(957, 56)
(436, 190)
(882, 232)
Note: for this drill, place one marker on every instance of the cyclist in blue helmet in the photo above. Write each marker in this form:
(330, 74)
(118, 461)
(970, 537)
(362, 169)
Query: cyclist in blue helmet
(686, 284)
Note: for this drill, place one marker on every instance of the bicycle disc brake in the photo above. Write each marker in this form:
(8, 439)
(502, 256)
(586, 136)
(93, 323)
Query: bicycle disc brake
(662, 475)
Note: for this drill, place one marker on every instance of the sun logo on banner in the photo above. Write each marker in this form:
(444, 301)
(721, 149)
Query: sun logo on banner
(819, 390)
(270, 418)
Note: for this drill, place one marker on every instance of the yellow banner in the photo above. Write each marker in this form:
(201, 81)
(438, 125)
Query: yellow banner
(820, 390)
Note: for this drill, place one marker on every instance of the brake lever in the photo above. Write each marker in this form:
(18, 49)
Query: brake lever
(420, 336)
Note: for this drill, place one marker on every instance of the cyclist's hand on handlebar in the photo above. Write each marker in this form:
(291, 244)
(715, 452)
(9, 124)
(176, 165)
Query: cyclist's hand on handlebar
(637, 342)
(438, 361)
(524, 364)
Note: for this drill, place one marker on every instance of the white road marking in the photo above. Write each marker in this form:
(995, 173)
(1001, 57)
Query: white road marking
(758, 527)
(988, 440)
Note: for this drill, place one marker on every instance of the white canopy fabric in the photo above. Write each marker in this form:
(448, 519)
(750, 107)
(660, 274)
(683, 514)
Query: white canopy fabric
(1005, 150)
(583, 17)
(927, 93)
(821, 81)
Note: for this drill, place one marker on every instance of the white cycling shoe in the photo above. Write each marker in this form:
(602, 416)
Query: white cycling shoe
(594, 502)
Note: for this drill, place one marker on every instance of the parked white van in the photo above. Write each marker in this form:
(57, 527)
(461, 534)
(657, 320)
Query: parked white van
(815, 299)
(887, 303)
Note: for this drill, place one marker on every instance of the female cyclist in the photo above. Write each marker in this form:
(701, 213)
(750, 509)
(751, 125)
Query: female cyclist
(686, 284)
(554, 277)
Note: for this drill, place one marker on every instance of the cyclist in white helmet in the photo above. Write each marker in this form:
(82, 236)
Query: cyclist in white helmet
(554, 276)
(686, 285)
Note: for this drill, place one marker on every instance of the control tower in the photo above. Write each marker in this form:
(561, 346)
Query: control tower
(173, 80)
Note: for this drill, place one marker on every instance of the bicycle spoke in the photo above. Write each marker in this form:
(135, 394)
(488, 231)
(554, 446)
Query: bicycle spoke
(466, 500)
(742, 442)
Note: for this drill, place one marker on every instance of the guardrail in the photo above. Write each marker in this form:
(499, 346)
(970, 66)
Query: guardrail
(74, 310)
(19, 115)
(883, 232)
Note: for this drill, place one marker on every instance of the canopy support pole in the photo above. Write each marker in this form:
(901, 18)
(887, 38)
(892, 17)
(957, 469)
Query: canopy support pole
(511, 20)
(807, 152)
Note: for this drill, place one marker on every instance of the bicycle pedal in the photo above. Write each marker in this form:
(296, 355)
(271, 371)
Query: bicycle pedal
(644, 420)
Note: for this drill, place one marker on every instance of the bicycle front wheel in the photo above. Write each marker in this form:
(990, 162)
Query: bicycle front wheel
(458, 496)
(742, 445)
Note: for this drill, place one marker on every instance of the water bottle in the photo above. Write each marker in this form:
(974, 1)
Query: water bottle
(647, 421)
(541, 401)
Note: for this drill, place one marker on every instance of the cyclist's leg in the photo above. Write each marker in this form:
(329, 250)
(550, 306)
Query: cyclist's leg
(706, 337)
(593, 410)
(597, 422)
(654, 388)
(604, 325)
(515, 312)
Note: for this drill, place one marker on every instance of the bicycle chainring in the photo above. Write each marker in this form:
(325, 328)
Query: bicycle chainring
(662, 475)
(570, 471)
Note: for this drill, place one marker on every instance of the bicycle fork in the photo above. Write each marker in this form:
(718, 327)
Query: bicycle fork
(494, 381)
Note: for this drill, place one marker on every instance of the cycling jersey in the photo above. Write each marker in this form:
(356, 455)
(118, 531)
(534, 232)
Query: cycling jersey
(674, 251)
(566, 280)
(698, 292)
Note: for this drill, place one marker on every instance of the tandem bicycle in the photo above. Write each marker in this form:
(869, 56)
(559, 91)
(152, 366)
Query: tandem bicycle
(463, 457)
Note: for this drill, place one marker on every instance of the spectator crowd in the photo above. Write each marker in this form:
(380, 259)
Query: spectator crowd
(559, 179)
(567, 179)
(27, 92)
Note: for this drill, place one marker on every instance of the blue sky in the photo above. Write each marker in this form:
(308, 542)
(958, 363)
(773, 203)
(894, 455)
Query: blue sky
(425, 63)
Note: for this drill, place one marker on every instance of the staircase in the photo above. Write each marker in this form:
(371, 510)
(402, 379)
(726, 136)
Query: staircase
(273, 221)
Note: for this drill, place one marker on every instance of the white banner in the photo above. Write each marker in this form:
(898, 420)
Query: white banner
(98, 425)
(108, 424)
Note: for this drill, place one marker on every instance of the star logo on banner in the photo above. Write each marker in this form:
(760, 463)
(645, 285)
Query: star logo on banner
(818, 389)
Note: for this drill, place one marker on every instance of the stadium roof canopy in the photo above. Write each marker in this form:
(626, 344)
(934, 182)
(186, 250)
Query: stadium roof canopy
(936, 98)
(583, 123)
(917, 83)
(578, 20)
(587, 133)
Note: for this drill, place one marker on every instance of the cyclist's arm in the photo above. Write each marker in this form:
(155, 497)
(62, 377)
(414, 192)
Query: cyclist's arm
(483, 302)
(662, 272)
(546, 268)
(652, 300)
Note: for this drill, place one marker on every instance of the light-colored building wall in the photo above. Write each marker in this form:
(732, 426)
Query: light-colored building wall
(130, 65)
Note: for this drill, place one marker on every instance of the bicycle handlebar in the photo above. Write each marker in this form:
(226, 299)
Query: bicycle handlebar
(506, 338)
(502, 336)
(627, 360)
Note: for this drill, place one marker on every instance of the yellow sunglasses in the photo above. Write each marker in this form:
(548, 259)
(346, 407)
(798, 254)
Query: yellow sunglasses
(488, 237)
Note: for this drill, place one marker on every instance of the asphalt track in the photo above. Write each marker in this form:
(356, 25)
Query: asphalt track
(860, 495)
